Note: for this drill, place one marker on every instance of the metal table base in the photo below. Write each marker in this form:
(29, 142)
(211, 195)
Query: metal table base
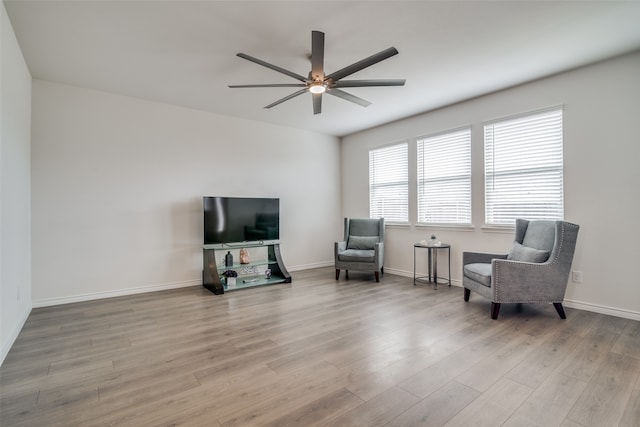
(432, 263)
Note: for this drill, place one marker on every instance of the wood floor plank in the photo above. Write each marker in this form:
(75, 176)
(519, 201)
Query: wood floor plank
(587, 356)
(541, 363)
(605, 398)
(271, 409)
(378, 411)
(631, 416)
(494, 366)
(320, 411)
(438, 408)
(436, 375)
(628, 343)
(319, 352)
(551, 402)
(493, 407)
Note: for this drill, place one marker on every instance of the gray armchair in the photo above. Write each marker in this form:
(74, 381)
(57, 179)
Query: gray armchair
(535, 271)
(362, 248)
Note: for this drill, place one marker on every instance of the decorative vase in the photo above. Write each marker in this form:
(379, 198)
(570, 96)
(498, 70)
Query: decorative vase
(244, 256)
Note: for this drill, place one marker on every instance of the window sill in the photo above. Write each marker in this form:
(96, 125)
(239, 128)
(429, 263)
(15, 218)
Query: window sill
(453, 227)
(498, 228)
(397, 225)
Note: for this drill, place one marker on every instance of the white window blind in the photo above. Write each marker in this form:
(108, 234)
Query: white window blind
(389, 183)
(444, 178)
(523, 168)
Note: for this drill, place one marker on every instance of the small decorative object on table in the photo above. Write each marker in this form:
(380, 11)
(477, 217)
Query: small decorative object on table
(267, 273)
(230, 276)
(244, 256)
(228, 259)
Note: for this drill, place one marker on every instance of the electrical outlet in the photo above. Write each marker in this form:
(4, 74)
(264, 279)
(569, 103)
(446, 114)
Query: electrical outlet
(576, 276)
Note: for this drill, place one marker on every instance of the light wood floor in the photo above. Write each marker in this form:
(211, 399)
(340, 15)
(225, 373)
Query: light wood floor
(320, 352)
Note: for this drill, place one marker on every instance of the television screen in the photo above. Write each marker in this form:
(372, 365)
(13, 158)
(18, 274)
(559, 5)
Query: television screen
(240, 219)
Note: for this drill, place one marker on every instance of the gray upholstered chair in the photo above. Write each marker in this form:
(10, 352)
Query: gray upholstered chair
(535, 271)
(362, 248)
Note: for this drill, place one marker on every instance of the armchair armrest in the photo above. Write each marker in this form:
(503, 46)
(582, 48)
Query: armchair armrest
(521, 281)
(378, 250)
(339, 247)
(479, 257)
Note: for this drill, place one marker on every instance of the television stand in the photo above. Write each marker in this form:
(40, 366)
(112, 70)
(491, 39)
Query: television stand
(267, 257)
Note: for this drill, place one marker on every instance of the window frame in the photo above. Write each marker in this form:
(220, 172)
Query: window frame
(465, 176)
(527, 195)
(403, 183)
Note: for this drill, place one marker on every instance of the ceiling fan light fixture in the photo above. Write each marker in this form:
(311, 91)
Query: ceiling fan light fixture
(317, 82)
(317, 88)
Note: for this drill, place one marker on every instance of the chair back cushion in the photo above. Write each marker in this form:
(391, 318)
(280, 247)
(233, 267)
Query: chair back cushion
(362, 242)
(364, 227)
(524, 253)
(540, 235)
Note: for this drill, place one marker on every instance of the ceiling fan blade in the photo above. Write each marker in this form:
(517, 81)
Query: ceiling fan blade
(364, 63)
(317, 55)
(317, 103)
(273, 67)
(367, 83)
(348, 97)
(272, 85)
(286, 98)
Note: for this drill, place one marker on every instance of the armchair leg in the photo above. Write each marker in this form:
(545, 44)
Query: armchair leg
(377, 273)
(346, 274)
(381, 270)
(560, 310)
(337, 273)
(467, 292)
(495, 309)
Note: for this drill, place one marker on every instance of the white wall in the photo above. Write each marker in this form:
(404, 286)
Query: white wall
(601, 154)
(118, 185)
(15, 187)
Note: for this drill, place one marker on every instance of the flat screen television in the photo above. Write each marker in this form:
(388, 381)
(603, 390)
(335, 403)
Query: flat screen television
(230, 220)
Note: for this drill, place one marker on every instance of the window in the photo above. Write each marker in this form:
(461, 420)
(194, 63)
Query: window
(444, 178)
(523, 168)
(389, 183)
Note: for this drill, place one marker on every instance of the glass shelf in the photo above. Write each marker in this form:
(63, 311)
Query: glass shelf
(250, 274)
(251, 264)
(253, 281)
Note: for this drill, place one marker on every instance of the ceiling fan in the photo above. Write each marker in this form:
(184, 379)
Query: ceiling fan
(318, 82)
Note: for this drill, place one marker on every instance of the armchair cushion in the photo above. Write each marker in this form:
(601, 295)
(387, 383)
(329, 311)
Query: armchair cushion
(524, 253)
(362, 242)
(357, 255)
(480, 272)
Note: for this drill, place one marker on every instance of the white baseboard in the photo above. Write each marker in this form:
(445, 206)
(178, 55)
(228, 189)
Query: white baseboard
(142, 289)
(409, 274)
(6, 346)
(311, 266)
(596, 308)
(115, 293)
(611, 311)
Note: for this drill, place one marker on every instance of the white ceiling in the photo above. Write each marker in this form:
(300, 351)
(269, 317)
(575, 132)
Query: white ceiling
(183, 52)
